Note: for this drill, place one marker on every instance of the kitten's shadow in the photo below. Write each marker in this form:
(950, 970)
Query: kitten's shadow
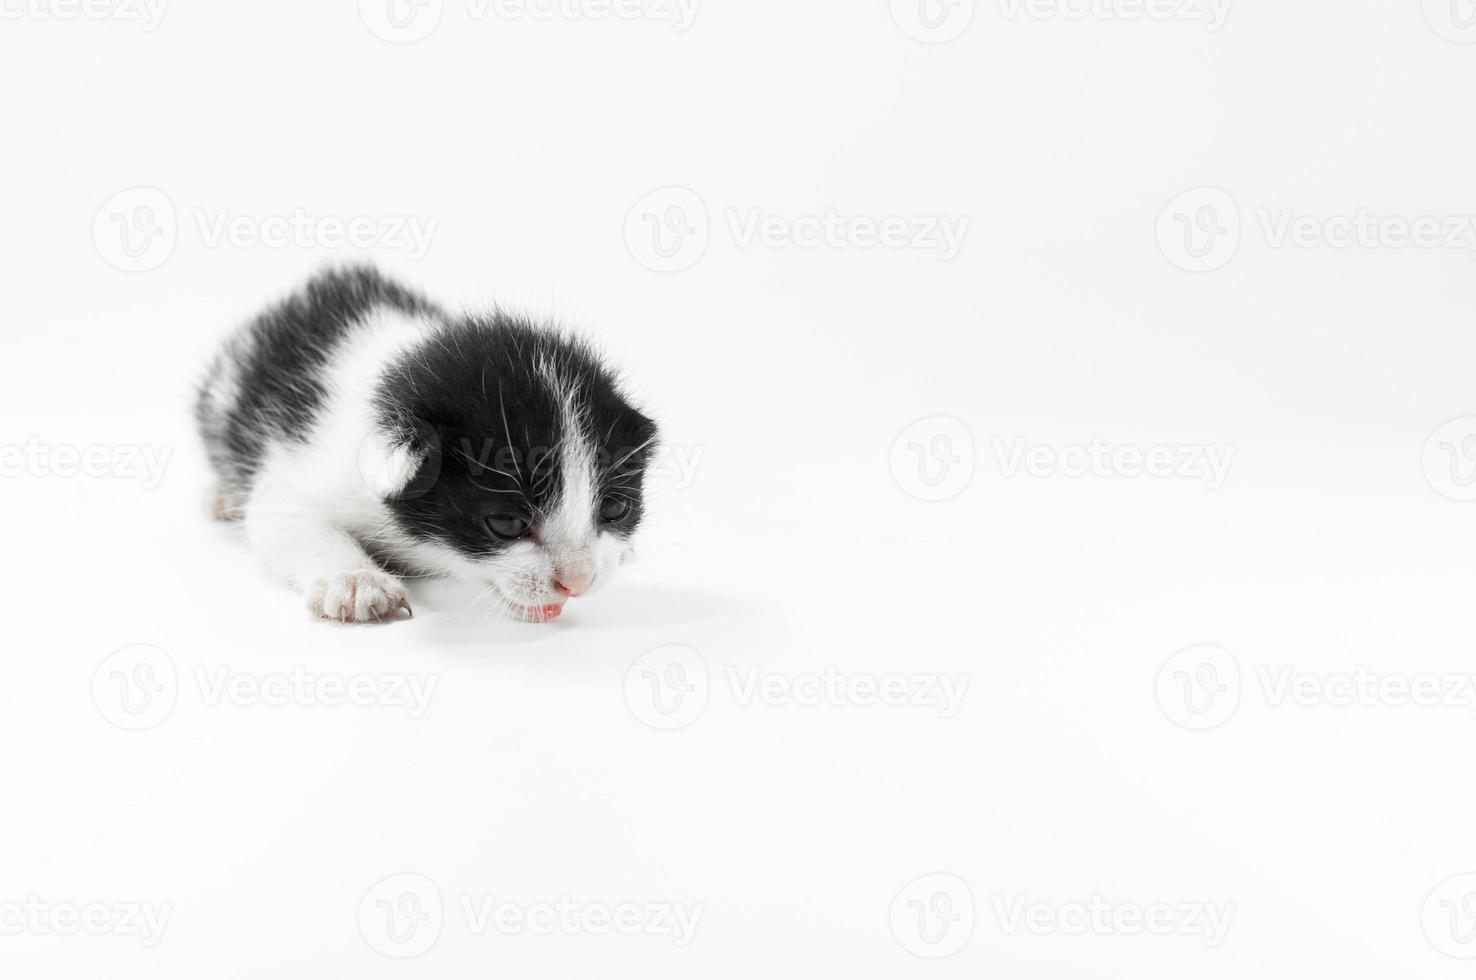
(452, 613)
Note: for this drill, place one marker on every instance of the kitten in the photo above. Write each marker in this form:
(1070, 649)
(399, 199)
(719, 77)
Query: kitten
(358, 431)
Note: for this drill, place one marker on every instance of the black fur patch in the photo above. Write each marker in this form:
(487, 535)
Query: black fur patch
(274, 367)
(477, 406)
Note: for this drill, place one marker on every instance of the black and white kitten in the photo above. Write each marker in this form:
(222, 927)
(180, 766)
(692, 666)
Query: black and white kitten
(356, 428)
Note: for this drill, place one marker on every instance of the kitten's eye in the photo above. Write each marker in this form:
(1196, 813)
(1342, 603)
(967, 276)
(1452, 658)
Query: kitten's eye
(509, 527)
(613, 509)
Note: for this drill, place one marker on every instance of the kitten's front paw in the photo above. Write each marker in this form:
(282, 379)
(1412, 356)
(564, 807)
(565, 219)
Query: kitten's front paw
(368, 596)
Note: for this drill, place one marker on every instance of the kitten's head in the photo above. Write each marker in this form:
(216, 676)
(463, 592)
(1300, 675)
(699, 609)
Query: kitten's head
(507, 455)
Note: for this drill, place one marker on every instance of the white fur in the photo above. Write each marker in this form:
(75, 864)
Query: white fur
(312, 505)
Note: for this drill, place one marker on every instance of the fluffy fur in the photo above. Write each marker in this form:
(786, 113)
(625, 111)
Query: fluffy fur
(363, 434)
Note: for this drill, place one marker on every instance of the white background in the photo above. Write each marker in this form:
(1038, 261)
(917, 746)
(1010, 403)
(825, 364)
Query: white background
(1072, 769)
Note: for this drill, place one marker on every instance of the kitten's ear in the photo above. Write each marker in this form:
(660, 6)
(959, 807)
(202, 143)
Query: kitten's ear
(400, 461)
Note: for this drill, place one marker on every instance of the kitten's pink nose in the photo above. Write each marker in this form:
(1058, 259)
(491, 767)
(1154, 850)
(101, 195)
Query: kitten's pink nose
(572, 582)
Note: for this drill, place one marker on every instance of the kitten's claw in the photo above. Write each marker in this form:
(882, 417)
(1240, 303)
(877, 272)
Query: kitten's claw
(359, 597)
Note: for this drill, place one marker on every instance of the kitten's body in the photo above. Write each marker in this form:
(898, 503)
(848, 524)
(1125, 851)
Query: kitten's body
(358, 419)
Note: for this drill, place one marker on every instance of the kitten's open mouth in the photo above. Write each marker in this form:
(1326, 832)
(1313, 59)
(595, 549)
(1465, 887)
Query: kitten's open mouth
(538, 614)
(531, 614)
